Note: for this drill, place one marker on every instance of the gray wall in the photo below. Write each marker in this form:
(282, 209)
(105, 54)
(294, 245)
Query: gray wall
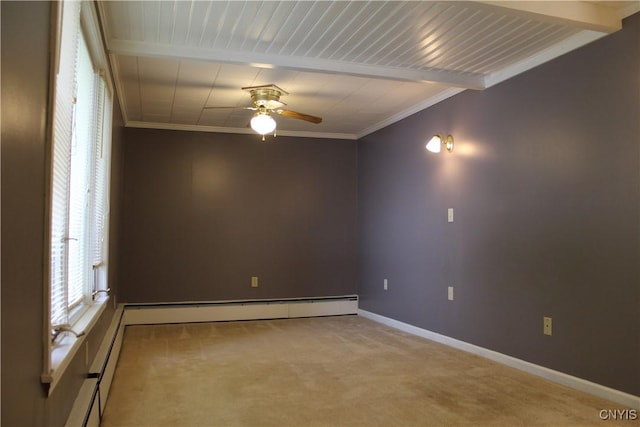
(544, 181)
(25, 85)
(204, 212)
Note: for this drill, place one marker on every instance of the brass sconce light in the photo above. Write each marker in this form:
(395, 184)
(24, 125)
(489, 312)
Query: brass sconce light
(435, 143)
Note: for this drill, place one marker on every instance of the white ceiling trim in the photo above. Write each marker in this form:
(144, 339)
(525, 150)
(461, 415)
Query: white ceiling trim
(259, 60)
(220, 129)
(448, 93)
(119, 89)
(633, 7)
(578, 14)
(574, 42)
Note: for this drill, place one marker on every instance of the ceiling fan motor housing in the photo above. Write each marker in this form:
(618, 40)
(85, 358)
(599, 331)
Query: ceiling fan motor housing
(267, 96)
(266, 101)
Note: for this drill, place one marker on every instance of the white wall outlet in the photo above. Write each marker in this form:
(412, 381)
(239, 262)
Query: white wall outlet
(254, 281)
(385, 284)
(450, 215)
(547, 321)
(450, 293)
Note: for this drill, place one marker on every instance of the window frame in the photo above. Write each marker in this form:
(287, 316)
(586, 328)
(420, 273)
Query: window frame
(58, 355)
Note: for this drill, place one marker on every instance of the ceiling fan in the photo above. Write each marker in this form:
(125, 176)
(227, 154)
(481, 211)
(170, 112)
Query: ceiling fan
(266, 101)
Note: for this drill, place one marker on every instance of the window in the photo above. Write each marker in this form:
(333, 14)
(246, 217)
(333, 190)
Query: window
(81, 142)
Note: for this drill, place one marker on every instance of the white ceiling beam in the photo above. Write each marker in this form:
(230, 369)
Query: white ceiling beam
(260, 60)
(247, 131)
(577, 14)
(552, 52)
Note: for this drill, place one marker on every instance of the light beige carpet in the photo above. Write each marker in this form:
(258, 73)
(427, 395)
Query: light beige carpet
(331, 371)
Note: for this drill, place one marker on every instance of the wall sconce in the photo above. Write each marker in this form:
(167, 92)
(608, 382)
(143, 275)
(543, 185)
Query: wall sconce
(435, 143)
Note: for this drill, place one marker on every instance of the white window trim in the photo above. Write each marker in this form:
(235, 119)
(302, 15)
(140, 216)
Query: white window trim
(66, 347)
(57, 356)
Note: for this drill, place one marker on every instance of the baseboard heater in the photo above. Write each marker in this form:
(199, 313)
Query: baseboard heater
(192, 312)
(89, 405)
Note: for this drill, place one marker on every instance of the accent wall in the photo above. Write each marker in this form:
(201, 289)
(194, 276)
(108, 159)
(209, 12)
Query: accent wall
(544, 182)
(206, 212)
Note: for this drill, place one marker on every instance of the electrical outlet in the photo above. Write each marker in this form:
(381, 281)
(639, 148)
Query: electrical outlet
(450, 293)
(450, 215)
(547, 325)
(254, 281)
(385, 284)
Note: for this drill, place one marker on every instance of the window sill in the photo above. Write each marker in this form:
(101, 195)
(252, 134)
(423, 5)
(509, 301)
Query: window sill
(66, 347)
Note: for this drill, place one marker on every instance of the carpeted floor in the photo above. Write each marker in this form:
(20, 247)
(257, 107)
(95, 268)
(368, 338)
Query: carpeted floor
(330, 371)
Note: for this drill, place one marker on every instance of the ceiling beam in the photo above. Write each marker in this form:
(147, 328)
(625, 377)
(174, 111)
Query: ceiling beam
(574, 42)
(583, 15)
(259, 60)
(247, 131)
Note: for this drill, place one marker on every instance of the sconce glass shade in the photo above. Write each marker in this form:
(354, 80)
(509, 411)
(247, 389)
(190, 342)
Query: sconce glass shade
(434, 144)
(263, 123)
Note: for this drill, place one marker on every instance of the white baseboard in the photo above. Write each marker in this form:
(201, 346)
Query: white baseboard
(150, 314)
(322, 308)
(628, 400)
(193, 314)
(107, 358)
(85, 411)
(91, 399)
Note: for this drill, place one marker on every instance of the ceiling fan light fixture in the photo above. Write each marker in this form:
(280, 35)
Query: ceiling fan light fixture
(263, 123)
(266, 102)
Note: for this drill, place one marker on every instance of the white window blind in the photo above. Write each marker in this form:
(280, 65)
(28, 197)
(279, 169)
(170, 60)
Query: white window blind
(79, 201)
(62, 135)
(80, 185)
(99, 181)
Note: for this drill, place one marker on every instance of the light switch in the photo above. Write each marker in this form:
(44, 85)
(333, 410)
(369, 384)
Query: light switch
(547, 321)
(254, 281)
(450, 293)
(450, 215)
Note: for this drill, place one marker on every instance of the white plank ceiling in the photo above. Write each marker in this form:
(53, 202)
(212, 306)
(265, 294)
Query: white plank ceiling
(360, 65)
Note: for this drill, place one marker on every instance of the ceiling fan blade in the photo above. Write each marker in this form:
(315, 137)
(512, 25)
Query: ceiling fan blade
(299, 116)
(229, 108)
